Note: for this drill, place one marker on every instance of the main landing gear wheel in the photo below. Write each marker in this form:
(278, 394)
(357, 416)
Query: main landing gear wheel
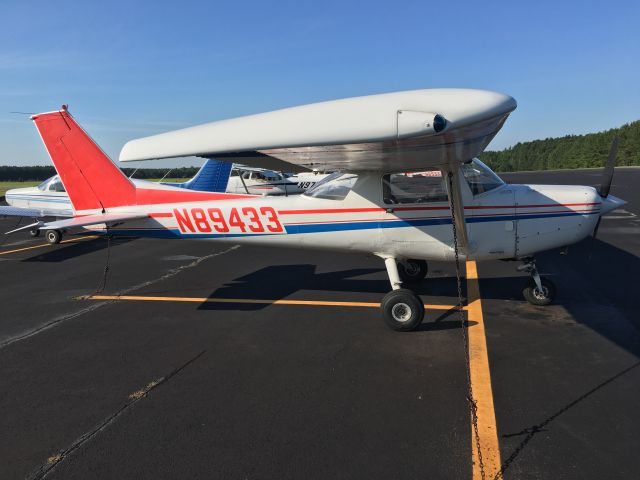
(34, 232)
(412, 271)
(402, 310)
(535, 296)
(53, 236)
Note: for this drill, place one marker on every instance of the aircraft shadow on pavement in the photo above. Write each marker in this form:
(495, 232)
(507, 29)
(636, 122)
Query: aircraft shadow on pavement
(597, 285)
(65, 251)
(278, 282)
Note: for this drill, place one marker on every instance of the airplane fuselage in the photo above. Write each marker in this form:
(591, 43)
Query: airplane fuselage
(510, 221)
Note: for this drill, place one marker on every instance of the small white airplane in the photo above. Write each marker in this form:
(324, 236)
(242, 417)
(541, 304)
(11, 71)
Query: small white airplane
(370, 206)
(50, 198)
(262, 181)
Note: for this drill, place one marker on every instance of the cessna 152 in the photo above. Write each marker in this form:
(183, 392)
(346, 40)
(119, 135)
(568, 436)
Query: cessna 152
(370, 206)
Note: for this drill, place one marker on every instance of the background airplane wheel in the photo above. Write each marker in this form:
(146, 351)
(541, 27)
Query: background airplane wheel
(34, 232)
(412, 271)
(534, 296)
(54, 236)
(402, 310)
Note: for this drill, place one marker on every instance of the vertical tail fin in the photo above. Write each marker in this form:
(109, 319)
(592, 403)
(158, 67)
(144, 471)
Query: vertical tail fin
(91, 179)
(213, 176)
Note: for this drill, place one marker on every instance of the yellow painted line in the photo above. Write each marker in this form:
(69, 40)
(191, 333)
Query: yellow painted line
(71, 240)
(322, 303)
(481, 384)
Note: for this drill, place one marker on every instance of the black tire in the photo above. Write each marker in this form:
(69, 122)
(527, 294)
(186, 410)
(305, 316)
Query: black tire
(53, 236)
(402, 310)
(34, 232)
(535, 297)
(413, 272)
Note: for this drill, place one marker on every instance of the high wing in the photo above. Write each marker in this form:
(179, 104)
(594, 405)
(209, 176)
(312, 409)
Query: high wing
(391, 132)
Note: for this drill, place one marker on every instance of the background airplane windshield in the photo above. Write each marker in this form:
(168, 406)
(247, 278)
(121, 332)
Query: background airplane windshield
(334, 187)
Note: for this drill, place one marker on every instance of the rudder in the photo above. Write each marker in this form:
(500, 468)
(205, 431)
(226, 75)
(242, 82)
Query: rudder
(91, 179)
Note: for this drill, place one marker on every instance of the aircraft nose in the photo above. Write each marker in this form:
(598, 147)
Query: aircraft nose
(610, 203)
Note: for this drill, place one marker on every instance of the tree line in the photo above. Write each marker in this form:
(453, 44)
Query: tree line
(571, 151)
(39, 173)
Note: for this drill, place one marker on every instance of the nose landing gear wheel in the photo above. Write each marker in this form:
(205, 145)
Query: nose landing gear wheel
(34, 232)
(535, 296)
(412, 271)
(402, 310)
(53, 236)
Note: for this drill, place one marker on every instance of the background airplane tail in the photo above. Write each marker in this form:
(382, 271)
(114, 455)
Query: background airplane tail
(213, 176)
(92, 180)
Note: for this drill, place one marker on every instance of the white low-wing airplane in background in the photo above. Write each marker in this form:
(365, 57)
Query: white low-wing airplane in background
(50, 199)
(262, 181)
(371, 206)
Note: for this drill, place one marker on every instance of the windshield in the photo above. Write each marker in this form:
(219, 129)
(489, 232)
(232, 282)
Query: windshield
(480, 177)
(56, 185)
(334, 187)
(43, 185)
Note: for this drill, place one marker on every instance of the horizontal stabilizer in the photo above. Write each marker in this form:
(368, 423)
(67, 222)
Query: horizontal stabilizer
(86, 220)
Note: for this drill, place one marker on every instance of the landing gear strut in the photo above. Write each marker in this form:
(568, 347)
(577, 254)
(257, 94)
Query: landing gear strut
(538, 290)
(402, 309)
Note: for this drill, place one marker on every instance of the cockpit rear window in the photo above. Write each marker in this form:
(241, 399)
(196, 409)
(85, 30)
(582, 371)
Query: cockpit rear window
(414, 187)
(334, 187)
(480, 178)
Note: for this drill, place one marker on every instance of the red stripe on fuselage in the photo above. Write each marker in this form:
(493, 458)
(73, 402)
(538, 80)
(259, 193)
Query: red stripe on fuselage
(148, 196)
(405, 209)
(545, 205)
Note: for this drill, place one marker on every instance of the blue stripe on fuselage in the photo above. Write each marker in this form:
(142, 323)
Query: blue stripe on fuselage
(339, 227)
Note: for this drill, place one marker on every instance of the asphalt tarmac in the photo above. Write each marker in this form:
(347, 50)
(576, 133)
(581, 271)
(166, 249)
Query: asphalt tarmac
(187, 387)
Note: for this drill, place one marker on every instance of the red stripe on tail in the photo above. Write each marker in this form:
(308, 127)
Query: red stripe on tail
(91, 179)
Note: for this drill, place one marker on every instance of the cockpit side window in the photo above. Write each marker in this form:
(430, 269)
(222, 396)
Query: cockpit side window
(334, 187)
(414, 187)
(480, 178)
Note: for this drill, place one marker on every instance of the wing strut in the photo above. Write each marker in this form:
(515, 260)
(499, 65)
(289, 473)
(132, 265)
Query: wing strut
(457, 207)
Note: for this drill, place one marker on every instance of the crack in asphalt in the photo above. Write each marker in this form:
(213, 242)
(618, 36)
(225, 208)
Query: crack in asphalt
(70, 316)
(55, 460)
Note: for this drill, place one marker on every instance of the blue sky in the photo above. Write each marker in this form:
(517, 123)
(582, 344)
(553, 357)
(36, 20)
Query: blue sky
(135, 68)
